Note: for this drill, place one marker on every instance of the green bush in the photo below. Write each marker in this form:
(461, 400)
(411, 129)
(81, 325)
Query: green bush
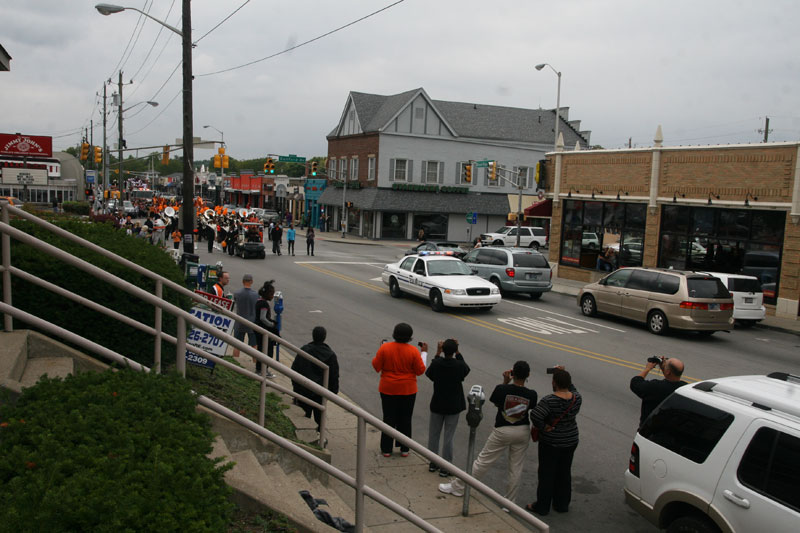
(111, 451)
(76, 208)
(98, 327)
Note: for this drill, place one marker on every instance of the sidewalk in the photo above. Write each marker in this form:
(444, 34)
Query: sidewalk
(560, 285)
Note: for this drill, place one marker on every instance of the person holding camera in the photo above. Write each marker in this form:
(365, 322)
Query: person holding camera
(511, 431)
(399, 364)
(654, 391)
(447, 402)
(554, 417)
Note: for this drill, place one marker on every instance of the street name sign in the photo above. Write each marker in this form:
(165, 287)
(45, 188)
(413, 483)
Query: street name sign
(291, 158)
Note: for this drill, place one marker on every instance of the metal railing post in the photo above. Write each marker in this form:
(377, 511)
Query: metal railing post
(180, 348)
(361, 459)
(8, 321)
(157, 338)
(262, 402)
(323, 419)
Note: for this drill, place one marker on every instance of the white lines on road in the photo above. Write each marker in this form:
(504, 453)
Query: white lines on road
(337, 263)
(594, 324)
(545, 325)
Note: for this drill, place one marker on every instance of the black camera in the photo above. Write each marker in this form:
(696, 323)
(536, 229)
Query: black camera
(551, 370)
(655, 359)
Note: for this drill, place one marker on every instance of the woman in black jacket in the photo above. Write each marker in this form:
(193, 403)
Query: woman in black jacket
(301, 365)
(447, 402)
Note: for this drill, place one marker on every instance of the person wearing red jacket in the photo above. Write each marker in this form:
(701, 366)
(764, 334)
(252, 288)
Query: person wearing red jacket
(399, 364)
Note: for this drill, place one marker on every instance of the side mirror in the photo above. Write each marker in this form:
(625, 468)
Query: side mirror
(474, 270)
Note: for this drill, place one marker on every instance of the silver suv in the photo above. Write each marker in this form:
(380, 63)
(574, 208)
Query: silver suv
(720, 456)
(512, 269)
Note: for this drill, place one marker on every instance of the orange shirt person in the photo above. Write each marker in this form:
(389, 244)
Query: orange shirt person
(176, 239)
(399, 364)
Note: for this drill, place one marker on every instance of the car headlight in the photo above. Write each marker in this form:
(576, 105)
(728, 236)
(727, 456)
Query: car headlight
(495, 290)
(456, 292)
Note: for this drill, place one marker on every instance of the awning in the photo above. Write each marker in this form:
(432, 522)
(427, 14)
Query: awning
(527, 201)
(541, 209)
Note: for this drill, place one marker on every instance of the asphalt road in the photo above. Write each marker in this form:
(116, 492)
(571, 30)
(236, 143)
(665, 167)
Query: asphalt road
(340, 288)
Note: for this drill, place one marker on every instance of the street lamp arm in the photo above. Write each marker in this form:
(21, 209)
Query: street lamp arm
(110, 9)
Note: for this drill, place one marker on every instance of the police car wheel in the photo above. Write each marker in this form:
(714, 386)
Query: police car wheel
(436, 301)
(394, 288)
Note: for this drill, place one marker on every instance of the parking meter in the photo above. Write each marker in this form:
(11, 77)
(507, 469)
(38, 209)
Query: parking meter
(278, 308)
(475, 400)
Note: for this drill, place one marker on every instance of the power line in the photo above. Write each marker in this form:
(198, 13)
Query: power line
(116, 68)
(139, 34)
(303, 43)
(222, 21)
(162, 111)
(160, 30)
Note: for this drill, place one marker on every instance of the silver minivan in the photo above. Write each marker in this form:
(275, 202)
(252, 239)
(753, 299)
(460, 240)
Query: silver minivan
(512, 269)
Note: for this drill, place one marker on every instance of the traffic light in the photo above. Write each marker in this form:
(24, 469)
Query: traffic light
(225, 161)
(537, 175)
(269, 167)
(217, 161)
(165, 155)
(491, 170)
(313, 168)
(221, 150)
(88, 192)
(467, 171)
(84, 151)
(98, 154)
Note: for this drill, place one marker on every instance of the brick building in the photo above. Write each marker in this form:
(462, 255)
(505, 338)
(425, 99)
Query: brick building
(733, 208)
(396, 164)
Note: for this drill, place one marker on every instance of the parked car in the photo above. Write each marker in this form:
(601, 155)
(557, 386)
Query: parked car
(661, 298)
(763, 265)
(129, 209)
(748, 297)
(444, 280)
(590, 240)
(438, 246)
(512, 269)
(507, 236)
(720, 456)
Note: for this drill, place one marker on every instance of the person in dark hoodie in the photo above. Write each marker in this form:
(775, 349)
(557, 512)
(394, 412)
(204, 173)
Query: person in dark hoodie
(447, 402)
(301, 365)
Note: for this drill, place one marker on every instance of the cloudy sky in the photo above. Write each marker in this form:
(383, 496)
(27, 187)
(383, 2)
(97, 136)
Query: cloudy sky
(708, 71)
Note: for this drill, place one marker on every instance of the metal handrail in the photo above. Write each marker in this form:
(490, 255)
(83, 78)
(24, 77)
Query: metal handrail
(364, 417)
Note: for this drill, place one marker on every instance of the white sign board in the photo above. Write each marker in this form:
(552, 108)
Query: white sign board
(11, 176)
(203, 341)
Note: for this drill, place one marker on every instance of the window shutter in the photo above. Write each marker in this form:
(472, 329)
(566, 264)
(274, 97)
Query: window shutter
(409, 170)
(459, 170)
(391, 170)
(424, 176)
(486, 177)
(441, 171)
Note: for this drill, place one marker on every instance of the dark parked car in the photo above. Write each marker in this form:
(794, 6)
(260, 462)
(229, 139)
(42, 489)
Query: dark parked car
(438, 246)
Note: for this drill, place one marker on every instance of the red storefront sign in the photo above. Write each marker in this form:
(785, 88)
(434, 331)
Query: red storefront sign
(26, 145)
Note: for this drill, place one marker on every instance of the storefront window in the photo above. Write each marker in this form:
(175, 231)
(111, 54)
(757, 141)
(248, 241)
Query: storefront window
(393, 225)
(603, 235)
(724, 240)
(434, 226)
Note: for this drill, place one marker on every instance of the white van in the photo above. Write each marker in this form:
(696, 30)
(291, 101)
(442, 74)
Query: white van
(748, 297)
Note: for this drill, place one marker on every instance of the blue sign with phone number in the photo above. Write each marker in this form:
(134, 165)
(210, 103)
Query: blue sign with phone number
(199, 360)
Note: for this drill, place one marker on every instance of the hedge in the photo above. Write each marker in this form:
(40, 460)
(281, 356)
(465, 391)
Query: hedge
(110, 451)
(98, 327)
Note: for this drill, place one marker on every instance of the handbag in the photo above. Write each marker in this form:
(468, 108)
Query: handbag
(535, 430)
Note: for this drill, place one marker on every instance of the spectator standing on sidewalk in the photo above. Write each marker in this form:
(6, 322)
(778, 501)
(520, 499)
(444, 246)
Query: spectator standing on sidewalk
(290, 235)
(321, 351)
(447, 402)
(277, 233)
(399, 364)
(310, 236)
(554, 415)
(264, 319)
(511, 431)
(245, 299)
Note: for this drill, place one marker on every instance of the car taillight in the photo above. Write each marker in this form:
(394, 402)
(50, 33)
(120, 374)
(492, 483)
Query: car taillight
(633, 464)
(694, 305)
(726, 307)
(510, 272)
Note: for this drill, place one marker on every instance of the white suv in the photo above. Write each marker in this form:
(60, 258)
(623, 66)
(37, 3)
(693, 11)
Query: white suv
(721, 456)
(748, 297)
(529, 237)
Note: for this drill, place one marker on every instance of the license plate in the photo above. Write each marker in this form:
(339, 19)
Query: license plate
(748, 300)
(713, 307)
(532, 275)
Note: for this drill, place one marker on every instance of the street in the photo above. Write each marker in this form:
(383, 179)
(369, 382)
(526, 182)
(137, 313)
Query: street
(340, 288)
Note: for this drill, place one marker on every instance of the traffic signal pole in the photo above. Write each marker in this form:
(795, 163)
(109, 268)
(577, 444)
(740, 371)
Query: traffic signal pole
(499, 170)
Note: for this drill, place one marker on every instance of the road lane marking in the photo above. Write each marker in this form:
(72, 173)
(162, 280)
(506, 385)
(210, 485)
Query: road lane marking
(502, 329)
(593, 323)
(337, 263)
(545, 325)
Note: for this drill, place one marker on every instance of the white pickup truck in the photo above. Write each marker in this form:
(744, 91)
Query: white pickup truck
(529, 237)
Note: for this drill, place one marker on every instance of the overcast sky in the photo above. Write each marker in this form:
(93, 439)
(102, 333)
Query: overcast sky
(708, 71)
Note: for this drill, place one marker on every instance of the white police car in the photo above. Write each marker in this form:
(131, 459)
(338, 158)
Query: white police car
(441, 278)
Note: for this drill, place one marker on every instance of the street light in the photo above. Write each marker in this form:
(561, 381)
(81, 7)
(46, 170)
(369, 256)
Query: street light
(540, 66)
(222, 134)
(154, 104)
(187, 188)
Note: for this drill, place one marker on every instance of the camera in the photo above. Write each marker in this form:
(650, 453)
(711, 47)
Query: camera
(656, 359)
(551, 369)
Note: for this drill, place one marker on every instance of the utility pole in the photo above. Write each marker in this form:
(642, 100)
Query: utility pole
(91, 142)
(121, 140)
(766, 130)
(105, 144)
